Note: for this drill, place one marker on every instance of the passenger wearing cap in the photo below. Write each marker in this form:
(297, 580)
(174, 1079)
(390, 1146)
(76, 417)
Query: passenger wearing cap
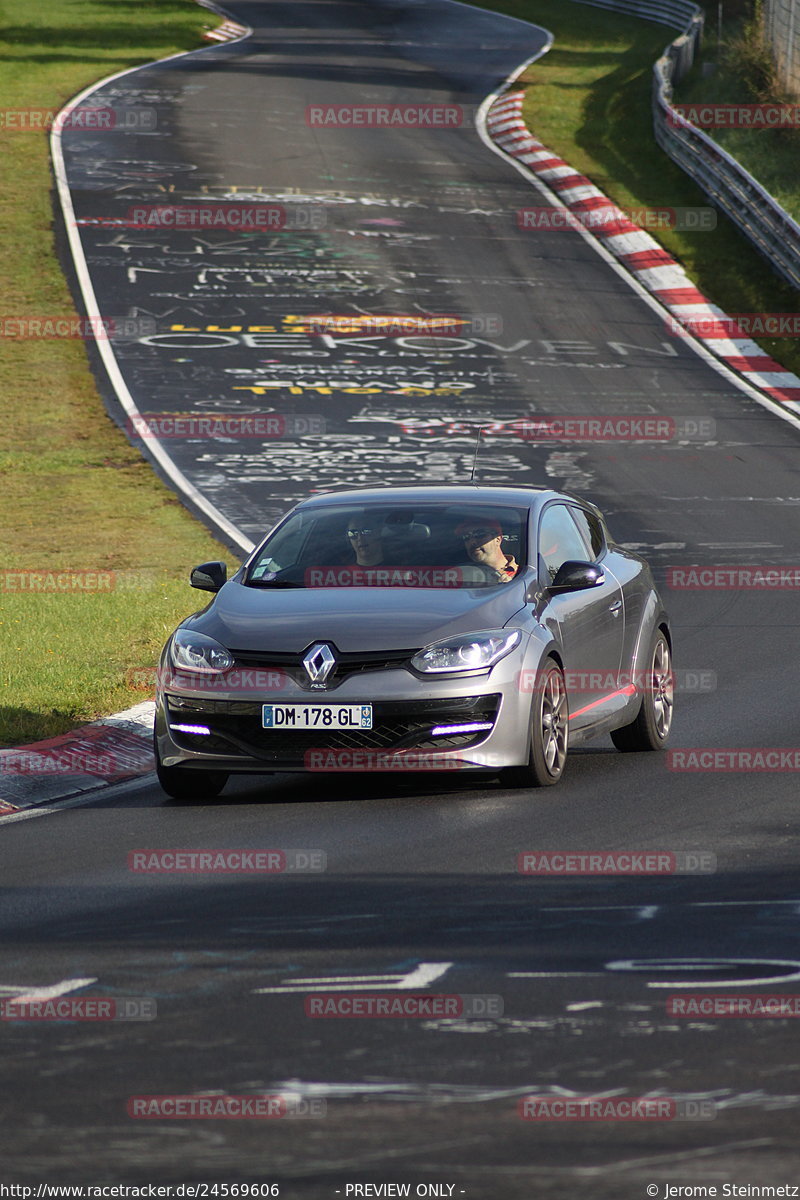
(483, 540)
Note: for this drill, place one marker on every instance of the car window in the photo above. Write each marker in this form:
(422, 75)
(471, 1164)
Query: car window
(591, 529)
(368, 544)
(284, 549)
(559, 539)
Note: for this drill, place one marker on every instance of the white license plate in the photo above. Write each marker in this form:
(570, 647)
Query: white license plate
(316, 716)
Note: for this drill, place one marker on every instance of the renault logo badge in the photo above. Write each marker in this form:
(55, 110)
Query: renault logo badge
(319, 661)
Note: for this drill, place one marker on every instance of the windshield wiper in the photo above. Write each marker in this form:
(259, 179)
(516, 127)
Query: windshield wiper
(273, 583)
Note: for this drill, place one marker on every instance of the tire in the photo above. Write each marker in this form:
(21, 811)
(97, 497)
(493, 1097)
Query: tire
(549, 732)
(651, 727)
(183, 784)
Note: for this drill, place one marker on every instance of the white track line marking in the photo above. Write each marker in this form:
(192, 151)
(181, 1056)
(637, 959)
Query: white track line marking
(49, 993)
(104, 346)
(420, 977)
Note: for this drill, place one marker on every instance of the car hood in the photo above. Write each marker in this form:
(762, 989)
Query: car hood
(370, 618)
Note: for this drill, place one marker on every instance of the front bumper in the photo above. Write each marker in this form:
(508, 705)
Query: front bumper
(406, 709)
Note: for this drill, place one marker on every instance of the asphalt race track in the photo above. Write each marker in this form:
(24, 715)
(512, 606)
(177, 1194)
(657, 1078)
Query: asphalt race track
(421, 893)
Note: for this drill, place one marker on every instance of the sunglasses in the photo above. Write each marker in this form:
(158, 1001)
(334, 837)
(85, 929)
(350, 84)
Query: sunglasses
(482, 534)
(354, 533)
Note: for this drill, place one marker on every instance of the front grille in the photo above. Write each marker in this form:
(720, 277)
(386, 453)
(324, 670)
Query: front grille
(347, 664)
(236, 728)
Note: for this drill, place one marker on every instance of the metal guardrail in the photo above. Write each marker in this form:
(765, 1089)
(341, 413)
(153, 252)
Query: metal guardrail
(675, 13)
(725, 182)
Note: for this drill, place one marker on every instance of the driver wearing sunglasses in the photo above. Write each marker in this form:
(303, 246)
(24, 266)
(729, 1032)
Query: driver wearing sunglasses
(483, 541)
(364, 539)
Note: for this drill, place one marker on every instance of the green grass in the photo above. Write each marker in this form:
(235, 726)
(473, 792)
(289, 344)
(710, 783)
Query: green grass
(588, 99)
(76, 495)
(70, 658)
(770, 155)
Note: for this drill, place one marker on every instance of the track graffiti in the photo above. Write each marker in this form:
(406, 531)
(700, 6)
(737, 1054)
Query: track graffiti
(231, 334)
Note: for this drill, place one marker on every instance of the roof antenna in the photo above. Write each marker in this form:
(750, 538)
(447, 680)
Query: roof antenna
(477, 448)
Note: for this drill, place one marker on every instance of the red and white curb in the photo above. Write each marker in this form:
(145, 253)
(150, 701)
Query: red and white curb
(108, 751)
(227, 32)
(653, 268)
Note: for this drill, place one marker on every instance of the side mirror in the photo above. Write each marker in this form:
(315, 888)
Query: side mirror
(209, 577)
(574, 576)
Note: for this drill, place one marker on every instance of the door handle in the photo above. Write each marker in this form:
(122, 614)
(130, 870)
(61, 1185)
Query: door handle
(615, 607)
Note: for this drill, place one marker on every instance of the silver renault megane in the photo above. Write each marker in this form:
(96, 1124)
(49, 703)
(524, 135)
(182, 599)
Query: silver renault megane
(417, 628)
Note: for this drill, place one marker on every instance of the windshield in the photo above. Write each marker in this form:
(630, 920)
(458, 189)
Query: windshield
(380, 545)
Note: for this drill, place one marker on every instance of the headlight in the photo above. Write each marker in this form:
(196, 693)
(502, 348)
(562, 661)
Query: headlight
(190, 651)
(467, 651)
